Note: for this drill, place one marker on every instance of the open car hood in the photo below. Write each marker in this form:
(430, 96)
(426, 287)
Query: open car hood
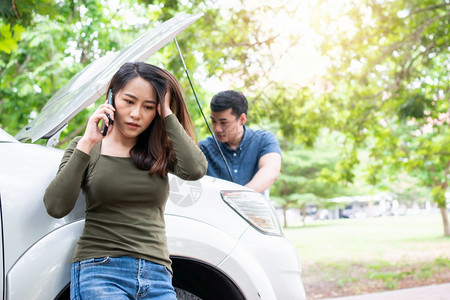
(91, 83)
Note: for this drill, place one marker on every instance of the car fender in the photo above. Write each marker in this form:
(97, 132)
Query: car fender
(43, 270)
(245, 269)
(192, 239)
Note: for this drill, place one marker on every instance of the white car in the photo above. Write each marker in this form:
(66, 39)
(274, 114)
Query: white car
(225, 240)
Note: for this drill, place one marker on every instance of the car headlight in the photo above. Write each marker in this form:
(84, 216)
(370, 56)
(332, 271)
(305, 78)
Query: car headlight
(255, 209)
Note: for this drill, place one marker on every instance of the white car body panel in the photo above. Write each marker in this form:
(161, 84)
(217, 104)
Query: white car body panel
(183, 238)
(44, 270)
(5, 137)
(193, 198)
(242, 266)
(28, 169)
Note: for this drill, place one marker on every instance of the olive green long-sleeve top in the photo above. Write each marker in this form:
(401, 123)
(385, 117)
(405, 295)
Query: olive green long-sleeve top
(124, 205)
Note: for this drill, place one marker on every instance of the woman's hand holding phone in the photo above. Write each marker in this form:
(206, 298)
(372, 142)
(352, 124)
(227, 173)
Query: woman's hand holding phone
(93, 134)
(109, 100)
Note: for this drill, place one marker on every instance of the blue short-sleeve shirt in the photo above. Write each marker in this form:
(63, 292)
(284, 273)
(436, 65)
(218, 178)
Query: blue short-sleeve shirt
(244, 160)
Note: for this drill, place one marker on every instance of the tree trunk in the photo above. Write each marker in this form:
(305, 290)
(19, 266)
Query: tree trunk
(438, 193)
(445, 220)
(303, 213)
(284, 216)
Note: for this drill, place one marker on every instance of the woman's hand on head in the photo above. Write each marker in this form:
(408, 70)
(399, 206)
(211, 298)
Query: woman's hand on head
(167, 100)
(93, 133)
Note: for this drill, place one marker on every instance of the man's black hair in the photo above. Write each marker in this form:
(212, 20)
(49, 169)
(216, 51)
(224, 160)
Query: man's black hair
(230, 99)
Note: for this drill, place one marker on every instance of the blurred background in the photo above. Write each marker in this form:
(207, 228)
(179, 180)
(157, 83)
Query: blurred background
(357, 93)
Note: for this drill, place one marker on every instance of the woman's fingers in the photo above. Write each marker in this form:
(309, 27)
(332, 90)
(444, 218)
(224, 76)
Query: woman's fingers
(167, 100)
(107, 109)
(93, 131)
(101, 113)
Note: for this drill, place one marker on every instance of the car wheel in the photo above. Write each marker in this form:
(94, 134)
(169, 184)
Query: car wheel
(185, 295)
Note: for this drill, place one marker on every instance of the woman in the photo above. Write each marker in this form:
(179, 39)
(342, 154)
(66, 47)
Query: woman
(122, 252)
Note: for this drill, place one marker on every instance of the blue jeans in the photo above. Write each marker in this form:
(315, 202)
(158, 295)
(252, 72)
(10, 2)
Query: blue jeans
(120, 278)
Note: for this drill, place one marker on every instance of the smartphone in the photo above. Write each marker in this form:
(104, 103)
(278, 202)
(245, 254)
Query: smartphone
(110, 101)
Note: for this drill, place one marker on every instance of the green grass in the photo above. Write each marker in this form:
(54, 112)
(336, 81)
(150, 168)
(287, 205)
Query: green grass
(355, 256)
(388, 238)
(391, 273)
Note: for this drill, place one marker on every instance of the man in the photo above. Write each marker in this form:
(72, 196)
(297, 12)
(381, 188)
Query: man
(254, 156)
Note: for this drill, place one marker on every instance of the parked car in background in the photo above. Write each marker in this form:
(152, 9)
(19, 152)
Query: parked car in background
(225, 240)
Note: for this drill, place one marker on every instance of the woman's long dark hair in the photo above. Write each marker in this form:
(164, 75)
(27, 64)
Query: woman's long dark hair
(153, 150)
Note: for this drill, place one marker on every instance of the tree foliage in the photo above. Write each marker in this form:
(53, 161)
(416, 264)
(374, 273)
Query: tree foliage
(391, 79)
(307, 176)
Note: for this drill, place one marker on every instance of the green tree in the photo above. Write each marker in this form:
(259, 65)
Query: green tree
(307, 176)
(17, 14)
(391, 85)
(55, 46)
(408, 190)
